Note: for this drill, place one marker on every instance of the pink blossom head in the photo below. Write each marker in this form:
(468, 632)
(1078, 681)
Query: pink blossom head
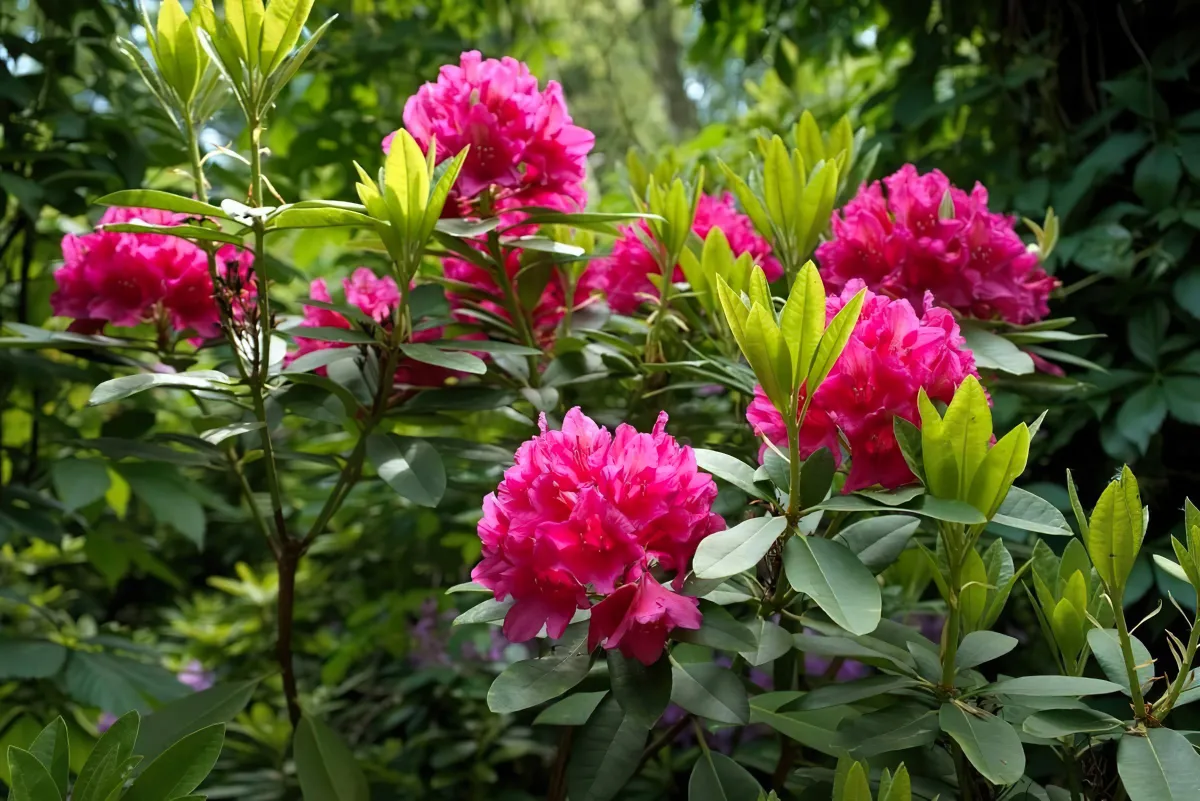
(625, 272)
(638, 617)
(523, 144)
(125, 279)
(890, 356)
(586, 514)
(973, 261)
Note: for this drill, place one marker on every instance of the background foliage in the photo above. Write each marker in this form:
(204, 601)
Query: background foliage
(1089, 108)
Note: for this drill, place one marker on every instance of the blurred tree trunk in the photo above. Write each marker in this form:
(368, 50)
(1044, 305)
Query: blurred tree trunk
(669, 53)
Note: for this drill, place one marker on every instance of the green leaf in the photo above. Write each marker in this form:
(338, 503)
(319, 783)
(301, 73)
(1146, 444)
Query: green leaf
(773, 642)
(735, 471)
(1183, 397)
(989, 742)
(643, 691)
(878, 541)
(1106, 647)
(815, 730)
(170, 723)
(1050, 686)
(1162, 766)
(181, 768)
(489, 611)
(716, 777)
(967, 428)
(1157, 176)
(29, 778)
(1051, 724)
(288, 218)
(740, 548)
(710, 691)
(855, 786)
(107, 766)
(1115, 530)
(1000, 467)
(982, 646)
(574, 710)
(281, 30)
(427, 354)
(803, 320)
(120, 388)
(816, 476)
(30, 659)
(834, 340)
(321, 333)
(852, 691)
(836, 580)
(534, 681)
(169, 497)
(156, 199)
(52, 748)
(215, 436)
(194, 233)
(908, 437)
(412, 467)
(325, 766)
(1023, 510)
(718, 630)
(994, 352)
(605, 754)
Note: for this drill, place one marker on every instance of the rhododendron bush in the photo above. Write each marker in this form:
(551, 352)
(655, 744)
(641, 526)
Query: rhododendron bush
(724, 464)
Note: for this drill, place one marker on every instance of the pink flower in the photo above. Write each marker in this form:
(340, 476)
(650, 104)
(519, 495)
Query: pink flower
(891, 355)
(125, 279)
(584, 513)
(376, 297)
(624, 272)
(973, 262)
(486, 294)
(523, 144)
(638, 617)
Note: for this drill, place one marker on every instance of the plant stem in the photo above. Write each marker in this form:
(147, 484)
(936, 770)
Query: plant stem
(1135, 688)
(953, 620)
(288, 562)
(558, 774)
(1185, 670)
(793, 435)
(664, 739)
(513, 304)
(963, 772)
(667, 271)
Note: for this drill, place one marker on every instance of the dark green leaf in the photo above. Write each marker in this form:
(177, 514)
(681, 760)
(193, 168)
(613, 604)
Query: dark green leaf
(878, 541)
(642, 691)
(30, 659)
(719, 630)
(989, 742)
(169, 497)
(710, 691)
(325, 766)
(716, 777)
(30, 779)
(170, 723)
(1106, 647)
(605, 754)
(1051, 724)
(994, 352)
(816, 474)
(107, 767)
(815, 730)
(982, 646)
(836, 580)
(319, 333)
(849, 692)
(535, 681)
(181, 768)
(112, 682)
(412, 467)
(1157, 176)
(120, 388)
(773, 642)
(52, 749)
(79, 482)
(1023, 510)
(574, 710)
(451, 360)
(1050, 686)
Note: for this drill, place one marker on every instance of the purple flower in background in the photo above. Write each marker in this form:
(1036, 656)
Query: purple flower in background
(847, 671)
(106, 721)
(195, 676)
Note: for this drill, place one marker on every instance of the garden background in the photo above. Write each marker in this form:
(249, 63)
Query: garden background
(1088, 108)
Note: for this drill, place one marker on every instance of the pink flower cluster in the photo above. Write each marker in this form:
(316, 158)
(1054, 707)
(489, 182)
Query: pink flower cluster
(973, 262)
(125, 279)
(523, 144)
(584, 513)
(891, 354)
(377, 298)
(550, 308)
(624, 273)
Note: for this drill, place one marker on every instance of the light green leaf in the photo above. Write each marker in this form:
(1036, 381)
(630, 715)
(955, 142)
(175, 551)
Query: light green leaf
(710, 691)
(834, 340)
(836, 580)
(281, 30)
(1023, 510)
(1161, 766)
(878, 541)
(1050, 686)
(1000, 467)
(982, 646)
(53, 749)
(462, 362)
(29, 778)
(802, 321)
(489, 611)
(740, 548)
(967, 428)
(716, 777)
(325, 766)
(605, 754)
(989, 742)
(940, 466)
(1115, 530)
(994, 352)
(166, 201)
(181, 768)
(412, 467)
(731, 469)
(120, 388)
(534, 681)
